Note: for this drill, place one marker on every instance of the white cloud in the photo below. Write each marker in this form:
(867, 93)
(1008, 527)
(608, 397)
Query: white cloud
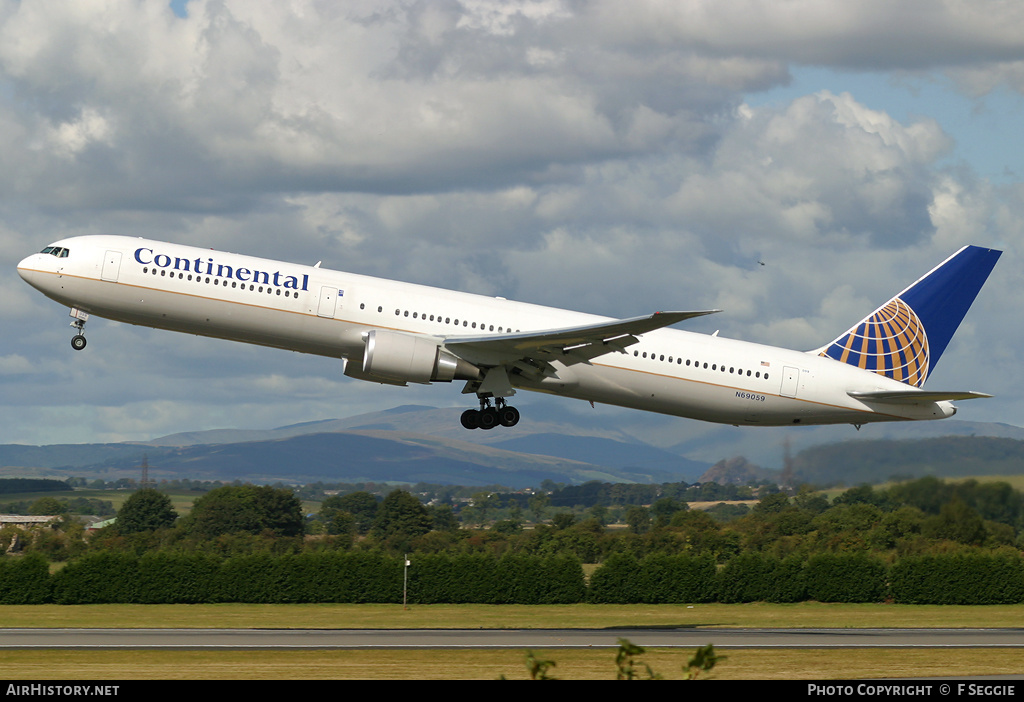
(872, 34)
(599, 156)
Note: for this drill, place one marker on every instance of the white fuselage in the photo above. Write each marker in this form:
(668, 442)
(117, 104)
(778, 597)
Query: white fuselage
(314, 310)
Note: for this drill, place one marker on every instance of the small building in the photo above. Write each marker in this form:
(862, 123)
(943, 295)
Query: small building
(26, 521)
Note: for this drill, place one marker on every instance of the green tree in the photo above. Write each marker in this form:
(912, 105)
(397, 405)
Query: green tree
(145, 510)
(335, 518)
(443, 518)
(47, 506)
(956, 522)
(563, 520)
(507, 527)
(638, 519)
(401, 515)
(539, 502)
(772, 504)
(361, 505)
(484, 502)
(664, 507)
(810, 500)
(251, 509)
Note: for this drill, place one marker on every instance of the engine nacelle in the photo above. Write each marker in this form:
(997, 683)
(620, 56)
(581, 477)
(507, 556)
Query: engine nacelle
(394, 357)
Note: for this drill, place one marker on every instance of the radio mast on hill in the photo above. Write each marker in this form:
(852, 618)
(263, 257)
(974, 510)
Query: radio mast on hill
(145, 483)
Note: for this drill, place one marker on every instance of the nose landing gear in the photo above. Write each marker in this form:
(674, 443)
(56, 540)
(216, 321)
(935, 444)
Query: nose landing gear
(78, 340)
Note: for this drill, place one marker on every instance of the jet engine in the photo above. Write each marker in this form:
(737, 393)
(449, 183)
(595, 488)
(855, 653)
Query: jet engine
(394, 357)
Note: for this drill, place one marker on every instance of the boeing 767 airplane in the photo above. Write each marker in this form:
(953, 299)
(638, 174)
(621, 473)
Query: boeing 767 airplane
(398, 333)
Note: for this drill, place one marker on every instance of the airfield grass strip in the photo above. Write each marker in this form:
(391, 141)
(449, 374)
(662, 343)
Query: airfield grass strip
(571, 664)
(581, 616)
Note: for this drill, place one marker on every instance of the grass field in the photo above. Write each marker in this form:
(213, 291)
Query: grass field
(492, 664)
(571, 664)
(582, 616)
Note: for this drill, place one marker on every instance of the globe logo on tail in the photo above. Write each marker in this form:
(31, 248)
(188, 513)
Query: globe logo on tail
(891, 342)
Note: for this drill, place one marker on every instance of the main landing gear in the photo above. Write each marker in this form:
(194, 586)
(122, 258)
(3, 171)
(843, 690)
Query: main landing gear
(488, 417)
(78, 340)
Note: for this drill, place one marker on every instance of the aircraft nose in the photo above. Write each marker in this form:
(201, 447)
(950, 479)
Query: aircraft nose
(29, 268)
(23, 267)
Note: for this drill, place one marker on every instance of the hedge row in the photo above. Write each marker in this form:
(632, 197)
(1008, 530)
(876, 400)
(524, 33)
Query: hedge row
(973, 578)
(315, 577)
(750, 577)
(513, 579)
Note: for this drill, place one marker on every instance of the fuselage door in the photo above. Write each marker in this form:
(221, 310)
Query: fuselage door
(790, 381)
(328, 301)
(111, 266)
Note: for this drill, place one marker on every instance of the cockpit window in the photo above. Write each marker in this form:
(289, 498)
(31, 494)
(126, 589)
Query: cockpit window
(58, 251)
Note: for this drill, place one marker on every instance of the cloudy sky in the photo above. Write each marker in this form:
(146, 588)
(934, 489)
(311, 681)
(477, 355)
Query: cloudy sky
(607, 156)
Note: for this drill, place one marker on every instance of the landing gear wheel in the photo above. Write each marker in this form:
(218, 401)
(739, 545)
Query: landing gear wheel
(78, 342)
(488, 418)
(471, 419)
(508, 416)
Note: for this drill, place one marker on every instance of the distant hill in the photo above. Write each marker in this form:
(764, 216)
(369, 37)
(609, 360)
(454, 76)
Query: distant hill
(405, 444)
(853, 462)
(414, 443)
(365, 456)
(64, 455)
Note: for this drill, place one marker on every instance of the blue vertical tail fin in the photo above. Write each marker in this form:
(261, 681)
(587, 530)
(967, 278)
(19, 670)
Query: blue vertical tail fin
(904, 338)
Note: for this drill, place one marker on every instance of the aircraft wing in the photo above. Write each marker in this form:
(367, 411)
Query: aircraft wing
(913, 397)
(532, 352)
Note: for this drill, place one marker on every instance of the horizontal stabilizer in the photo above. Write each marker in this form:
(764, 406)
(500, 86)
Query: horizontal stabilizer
(913, 397)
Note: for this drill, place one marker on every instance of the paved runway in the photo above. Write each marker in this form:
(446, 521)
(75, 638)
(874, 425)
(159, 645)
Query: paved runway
(508, 638)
